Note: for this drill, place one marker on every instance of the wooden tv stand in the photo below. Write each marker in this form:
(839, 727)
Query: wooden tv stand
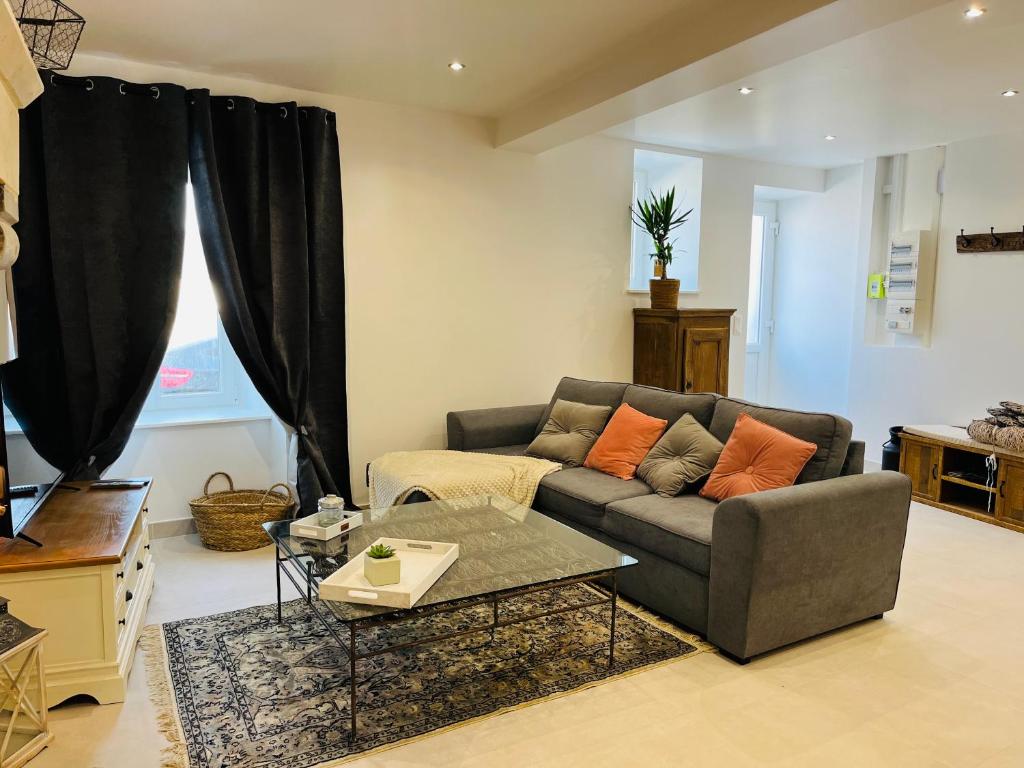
(947, 469)
(89, 585)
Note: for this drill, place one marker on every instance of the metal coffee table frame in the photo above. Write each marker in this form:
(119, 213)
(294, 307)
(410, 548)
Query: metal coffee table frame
(292, 568)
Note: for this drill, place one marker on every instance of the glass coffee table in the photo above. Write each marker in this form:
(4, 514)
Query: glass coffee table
(506, 550)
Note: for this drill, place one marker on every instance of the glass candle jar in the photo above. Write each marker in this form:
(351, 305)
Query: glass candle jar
(330, 510)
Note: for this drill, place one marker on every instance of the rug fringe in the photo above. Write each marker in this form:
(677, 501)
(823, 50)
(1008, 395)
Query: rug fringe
(667, 626)
(161, 693)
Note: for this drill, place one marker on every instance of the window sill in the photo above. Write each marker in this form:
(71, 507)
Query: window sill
(198, 417)
(645, 292)
(201, 417)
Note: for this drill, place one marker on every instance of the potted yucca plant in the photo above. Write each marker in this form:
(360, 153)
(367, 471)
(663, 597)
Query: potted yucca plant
(658, 216)
(382, 566)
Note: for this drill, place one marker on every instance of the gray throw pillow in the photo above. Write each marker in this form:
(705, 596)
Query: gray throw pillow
(683, 455)
(570, 432)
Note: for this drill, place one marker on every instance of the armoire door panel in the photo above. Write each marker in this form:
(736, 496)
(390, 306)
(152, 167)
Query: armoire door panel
(706, 365)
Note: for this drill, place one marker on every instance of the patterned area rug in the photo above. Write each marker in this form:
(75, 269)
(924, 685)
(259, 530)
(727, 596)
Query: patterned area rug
(237, 689)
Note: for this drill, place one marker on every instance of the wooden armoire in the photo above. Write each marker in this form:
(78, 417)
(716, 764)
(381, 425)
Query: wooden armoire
(686, 350)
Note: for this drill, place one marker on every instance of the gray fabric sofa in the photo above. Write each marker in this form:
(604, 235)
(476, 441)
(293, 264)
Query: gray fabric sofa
(752, 573)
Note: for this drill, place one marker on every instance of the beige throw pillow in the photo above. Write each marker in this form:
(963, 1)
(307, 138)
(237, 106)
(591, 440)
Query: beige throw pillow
(683, 455)
(570, 432)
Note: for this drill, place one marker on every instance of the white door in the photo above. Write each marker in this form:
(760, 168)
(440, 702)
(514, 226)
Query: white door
(760, 326)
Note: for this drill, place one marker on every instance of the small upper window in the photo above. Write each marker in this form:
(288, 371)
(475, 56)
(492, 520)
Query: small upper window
(658, 172)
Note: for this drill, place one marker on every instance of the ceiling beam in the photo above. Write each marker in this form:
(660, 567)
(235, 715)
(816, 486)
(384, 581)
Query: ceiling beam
(707, 45)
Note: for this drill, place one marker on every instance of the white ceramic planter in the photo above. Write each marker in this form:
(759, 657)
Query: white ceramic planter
(382, 571)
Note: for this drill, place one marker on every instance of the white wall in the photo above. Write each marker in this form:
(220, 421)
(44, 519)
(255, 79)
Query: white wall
(475, 277)
(815, 274)
(976, 356)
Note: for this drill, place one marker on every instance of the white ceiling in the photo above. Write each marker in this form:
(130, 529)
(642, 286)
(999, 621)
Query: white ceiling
(384, 50)
(928, 80)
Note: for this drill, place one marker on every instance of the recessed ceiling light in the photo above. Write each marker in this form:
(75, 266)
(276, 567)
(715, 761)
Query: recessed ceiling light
(974, 12)
(1010, 92)
(456, 66)
(830, 137)
(746, 91)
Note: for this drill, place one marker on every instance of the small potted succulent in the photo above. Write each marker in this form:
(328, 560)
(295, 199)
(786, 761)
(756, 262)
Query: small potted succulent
(658, 216)
(382, 566)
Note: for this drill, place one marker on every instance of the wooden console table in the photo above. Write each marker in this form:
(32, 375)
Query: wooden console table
(947, 470)
(88, 585)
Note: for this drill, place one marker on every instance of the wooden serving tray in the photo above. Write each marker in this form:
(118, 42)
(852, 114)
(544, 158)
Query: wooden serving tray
(423, 563)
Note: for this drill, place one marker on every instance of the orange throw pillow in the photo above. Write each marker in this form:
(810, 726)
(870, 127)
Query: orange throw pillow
(756, 458)
(629, 437)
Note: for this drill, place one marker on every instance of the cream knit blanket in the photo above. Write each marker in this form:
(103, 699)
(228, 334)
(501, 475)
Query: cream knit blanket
(455, 474)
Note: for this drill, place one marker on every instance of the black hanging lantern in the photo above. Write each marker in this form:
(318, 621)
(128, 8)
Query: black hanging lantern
(50, 29)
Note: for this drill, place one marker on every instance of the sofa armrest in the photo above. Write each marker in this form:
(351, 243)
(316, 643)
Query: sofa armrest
(493, 427)
(792, 563)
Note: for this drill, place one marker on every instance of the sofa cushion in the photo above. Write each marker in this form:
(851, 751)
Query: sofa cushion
(677, 529)
(663, 404)
(625, 441)
(582, 391)
(581, 494)
(831, 434)
(570, 432)
(503, 450)
(684, 455)
(756, 458)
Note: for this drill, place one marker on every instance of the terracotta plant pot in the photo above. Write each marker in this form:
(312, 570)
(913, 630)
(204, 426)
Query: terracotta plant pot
(664, 294)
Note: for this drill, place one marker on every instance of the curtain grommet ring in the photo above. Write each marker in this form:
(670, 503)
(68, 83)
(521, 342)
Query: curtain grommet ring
(89, 84)
(121, 90)
(284, 111)
(156, 92)
(231, 103)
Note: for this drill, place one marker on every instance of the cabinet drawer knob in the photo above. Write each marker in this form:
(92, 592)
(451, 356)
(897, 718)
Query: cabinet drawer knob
(120, 574)
(139, 566)
(146, 547)
(122, 622)
(935, 471)
(128, 596)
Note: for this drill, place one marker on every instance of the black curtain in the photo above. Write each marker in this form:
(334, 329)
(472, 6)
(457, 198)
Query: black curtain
(103, 172)
(267, 185)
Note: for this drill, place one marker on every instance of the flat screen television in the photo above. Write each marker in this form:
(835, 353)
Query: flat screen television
(19, 502)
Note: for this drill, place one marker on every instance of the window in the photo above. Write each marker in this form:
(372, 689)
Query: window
(199, 369)
(659, 172)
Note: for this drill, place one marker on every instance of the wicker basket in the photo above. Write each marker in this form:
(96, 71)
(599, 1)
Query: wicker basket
(232, 521)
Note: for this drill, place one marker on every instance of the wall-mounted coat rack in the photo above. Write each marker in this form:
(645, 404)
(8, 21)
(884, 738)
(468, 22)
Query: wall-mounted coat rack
(990, 241)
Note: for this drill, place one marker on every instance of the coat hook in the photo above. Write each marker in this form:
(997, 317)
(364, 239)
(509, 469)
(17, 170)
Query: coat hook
(995, 240)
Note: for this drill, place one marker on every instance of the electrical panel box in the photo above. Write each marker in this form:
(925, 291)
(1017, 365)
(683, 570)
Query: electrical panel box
(908, 289)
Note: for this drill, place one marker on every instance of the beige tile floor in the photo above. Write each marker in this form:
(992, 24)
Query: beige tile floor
(939, 682)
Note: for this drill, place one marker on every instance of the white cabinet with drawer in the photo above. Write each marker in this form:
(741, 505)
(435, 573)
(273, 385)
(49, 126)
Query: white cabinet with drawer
(89, 585)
